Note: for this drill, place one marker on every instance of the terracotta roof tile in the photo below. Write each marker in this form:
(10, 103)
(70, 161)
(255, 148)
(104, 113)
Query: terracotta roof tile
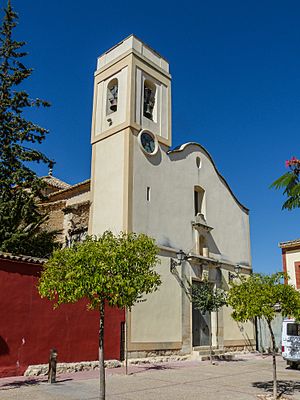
(290, 243)
(55, 182)
(70, 188)
(22, 258)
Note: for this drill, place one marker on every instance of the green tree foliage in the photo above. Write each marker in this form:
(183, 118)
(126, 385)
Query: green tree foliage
(257, 297)
(113, 269)
(20, 188)
(290, 184)
(207, 298)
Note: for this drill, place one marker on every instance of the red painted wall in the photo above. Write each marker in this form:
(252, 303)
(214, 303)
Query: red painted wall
(29, 327)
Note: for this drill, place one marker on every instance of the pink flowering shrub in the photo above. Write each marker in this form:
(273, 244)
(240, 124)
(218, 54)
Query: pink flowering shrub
(290, 183)
(293, 164)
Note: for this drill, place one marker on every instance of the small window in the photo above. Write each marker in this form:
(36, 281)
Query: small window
(198, 162)
(198, 200)
(112, 96)
(148, 192)
(292, 329)
(149, 99)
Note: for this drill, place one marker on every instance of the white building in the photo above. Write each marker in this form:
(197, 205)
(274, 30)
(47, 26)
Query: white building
(291, 261)
(138, 183)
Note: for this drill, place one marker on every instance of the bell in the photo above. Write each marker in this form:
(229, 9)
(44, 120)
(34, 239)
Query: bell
(113, 104)
(148, 110)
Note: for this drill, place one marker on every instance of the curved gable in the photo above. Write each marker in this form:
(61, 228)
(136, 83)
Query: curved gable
(184, 146)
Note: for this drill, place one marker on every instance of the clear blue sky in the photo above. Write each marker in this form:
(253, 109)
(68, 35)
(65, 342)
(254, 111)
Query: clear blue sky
(240, 98)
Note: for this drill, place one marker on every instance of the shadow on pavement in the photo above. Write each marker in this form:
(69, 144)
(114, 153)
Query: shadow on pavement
(29, 382)
(284, 387)
(154, 367)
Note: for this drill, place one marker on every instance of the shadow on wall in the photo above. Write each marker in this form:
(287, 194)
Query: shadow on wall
(211, 244)
(4, 349)
(155, 160)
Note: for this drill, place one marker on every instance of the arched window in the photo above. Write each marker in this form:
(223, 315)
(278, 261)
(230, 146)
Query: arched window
(149, 99)
(199, 200)
(112, 96)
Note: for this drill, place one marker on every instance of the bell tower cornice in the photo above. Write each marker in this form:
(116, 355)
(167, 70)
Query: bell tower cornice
(133, 45)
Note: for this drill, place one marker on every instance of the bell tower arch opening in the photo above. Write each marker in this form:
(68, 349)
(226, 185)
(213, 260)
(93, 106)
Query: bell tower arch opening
(149, 109)
(112, 96)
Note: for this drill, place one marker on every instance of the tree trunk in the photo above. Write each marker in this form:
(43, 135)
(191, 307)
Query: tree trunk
(210, 340)
(217, 328)
(273, 359)
(101, 352)
(126, 341)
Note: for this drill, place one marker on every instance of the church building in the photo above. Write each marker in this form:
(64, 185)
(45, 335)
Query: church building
(177, 196)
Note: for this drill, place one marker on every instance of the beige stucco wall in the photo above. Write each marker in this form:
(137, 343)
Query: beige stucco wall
(237, 334)
(158, 319)
(108, 185)
(292, 256)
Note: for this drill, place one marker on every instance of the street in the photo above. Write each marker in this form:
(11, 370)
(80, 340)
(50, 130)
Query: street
(241, 379)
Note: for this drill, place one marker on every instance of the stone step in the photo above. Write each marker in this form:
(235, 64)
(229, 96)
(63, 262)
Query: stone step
(206, 351)
(218, 357)
(203, 354)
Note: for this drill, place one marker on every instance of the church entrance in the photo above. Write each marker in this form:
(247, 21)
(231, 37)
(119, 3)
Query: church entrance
(201, 325)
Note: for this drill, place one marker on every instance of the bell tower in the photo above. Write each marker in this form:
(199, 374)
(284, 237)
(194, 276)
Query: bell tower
(132, 102)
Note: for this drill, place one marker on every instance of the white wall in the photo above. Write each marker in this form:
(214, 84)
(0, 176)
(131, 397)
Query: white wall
(167, 217)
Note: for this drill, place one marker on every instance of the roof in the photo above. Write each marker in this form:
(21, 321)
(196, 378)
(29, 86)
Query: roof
(70, 188)
(21, 258)
(289, 243)
(55, 182)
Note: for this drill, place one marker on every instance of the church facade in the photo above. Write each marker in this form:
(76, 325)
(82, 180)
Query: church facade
(139, 183)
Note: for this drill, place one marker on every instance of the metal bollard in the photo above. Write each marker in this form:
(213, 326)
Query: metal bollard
(52, 366)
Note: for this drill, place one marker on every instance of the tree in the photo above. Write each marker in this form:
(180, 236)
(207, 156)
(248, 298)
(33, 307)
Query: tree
(20, 188)
(290, 183)
(112, 269)
(207, 298)
(257, 296)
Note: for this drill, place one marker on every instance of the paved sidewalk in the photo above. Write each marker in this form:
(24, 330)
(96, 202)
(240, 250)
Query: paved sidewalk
(241, 379)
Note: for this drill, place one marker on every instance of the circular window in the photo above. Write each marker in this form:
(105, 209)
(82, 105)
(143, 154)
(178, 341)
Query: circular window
(148, 142)
(198, 162)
